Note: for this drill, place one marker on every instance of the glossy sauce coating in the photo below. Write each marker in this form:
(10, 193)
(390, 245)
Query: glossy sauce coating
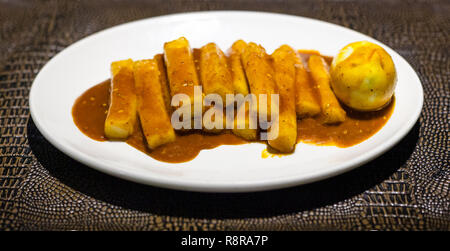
(89, 114)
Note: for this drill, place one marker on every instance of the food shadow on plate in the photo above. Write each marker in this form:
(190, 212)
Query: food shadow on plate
(162, 201)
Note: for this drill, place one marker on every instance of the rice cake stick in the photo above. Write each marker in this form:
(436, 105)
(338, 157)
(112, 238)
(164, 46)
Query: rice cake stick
(331, 109)
(237, 71)
(241, 126)
(121, 117)
(214, 72)
(155, 121)
(181, 70)
(307, 104)
(242, 123)
(164, 83)
(259, 74)
(284, 60)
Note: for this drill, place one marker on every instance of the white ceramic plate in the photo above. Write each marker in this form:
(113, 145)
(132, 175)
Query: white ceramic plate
(226, 168)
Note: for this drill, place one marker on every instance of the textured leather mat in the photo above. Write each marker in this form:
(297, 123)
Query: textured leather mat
(42, 189)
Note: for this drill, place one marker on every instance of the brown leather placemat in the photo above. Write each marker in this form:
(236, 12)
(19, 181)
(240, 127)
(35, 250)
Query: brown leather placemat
(43, 189)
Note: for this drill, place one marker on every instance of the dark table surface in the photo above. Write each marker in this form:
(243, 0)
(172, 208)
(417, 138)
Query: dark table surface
(42, 189)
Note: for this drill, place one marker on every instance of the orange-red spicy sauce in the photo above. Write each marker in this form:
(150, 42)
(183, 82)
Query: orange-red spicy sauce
(90, 109)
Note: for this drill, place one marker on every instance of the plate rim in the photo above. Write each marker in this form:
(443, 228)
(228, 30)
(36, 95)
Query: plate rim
(202, 186)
